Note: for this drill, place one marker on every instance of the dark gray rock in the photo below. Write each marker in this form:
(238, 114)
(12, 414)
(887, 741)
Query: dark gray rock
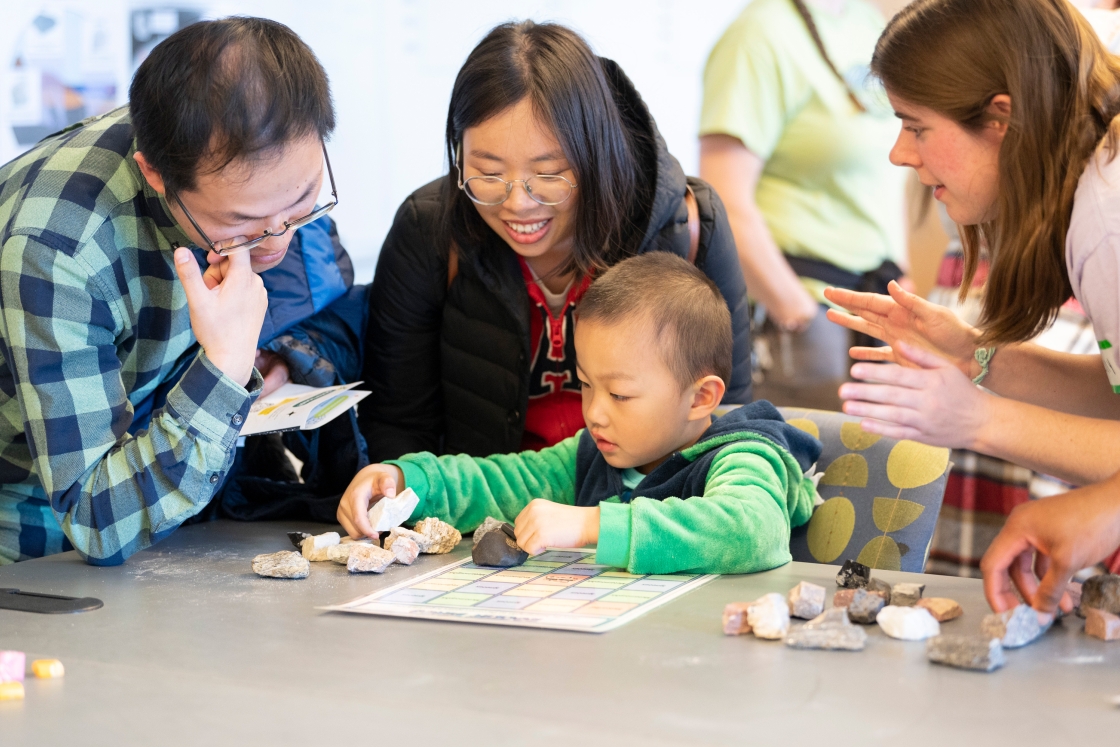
(1101, 592)
(966, 652)
(831, 631)
(865, 606)
(880, 587)
(906, 595)
(497, 550)
(853, 575)
(297, 538)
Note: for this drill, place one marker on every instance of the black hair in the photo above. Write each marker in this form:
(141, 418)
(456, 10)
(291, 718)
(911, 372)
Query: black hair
(681, 304)
(555, 69)
(216, 91)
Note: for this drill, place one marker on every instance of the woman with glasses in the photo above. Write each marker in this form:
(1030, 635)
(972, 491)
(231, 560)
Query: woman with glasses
(557, 172)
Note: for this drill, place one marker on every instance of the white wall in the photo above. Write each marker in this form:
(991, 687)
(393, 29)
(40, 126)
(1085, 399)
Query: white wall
(392, 64)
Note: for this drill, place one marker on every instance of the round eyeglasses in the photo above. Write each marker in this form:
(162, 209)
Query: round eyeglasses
(291, 225)
(545, 189)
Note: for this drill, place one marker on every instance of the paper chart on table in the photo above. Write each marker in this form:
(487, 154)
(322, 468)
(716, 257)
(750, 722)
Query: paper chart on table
(557, 589)
(304, 407)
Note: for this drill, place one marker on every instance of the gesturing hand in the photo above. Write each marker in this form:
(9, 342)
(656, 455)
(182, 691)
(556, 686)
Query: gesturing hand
(372, 482)
(903, 317)
(227, 310)
(544, 524)
(932, 402)
(1051, 539)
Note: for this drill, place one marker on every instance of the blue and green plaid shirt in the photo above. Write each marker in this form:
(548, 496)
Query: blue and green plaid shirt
(94, 326)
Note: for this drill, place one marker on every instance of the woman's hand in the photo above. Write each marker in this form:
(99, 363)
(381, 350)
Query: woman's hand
(374, 481)
(1051, 539)
(929, 401)
(904, 317)
(544, 524)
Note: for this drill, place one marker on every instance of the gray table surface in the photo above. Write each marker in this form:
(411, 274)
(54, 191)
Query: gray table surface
(191, 647)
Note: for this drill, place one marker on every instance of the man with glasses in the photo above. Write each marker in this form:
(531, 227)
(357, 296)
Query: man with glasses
(131, 308)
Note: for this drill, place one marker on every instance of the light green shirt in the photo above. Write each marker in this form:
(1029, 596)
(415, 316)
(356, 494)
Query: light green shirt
(828, 190)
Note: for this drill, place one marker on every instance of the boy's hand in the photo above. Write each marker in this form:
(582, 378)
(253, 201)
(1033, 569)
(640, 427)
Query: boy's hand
(543, 524)
(372, 482)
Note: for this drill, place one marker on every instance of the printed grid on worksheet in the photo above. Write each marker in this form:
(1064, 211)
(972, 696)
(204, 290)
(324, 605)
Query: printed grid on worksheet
(552, 582)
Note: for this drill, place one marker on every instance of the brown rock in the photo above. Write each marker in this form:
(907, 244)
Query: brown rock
(843, 597)
(735, 619)
(1101, 624)
(443, 536)
(941, 608)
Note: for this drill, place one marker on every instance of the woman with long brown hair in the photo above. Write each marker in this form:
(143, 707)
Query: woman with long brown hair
(1008, 112)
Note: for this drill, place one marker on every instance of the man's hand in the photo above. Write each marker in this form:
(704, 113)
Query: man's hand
(544, 524)
(1051, 538)
(226, 312)
(372, 482)
(273, 369)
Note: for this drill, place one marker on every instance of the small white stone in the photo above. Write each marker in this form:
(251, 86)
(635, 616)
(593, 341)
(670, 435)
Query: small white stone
(388, 513)
(806, 600)
(768, 616)
(368, 559)
(908, 623)
(315, 548)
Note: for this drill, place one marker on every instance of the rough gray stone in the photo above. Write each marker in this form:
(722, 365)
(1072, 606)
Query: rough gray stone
(284, 564)
(369, 559)
(1016, 627)
(806, 600)
(831, 630)
(442, 536)
(485, 528)
(853, 575)
(1101, 592)
(831, 616)
(865, 606)
(906, 595)
(880, 587)
(966, 652)
(497, 550)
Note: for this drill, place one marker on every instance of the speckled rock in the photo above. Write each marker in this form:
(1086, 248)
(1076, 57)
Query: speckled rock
(907, 623)
(369, 559)
(806, 600)
(315, 547)
(1101, 592)
(486, 527)
(498, 550)
(865, 606)
(442, 536)
(768, 616)
(831, 631)
(906, 595)
(853, 575)
(405, 550)
(1016, 627)
(966, 652)
(284, 564)
(423, 541)
(1101, 624)
(942, 608)
(735, 620)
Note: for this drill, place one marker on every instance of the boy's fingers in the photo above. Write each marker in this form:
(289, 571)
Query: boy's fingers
(1004, 550)
(387, 485)
(1052, 591)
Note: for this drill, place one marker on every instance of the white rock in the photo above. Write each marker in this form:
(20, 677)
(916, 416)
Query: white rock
(422, 540)
(388, 513)
(806, 600)
(442, 536)
(340, 553)
(315, 548)
(286, 564)
(908, 623)
(768, 616)
(368, 559)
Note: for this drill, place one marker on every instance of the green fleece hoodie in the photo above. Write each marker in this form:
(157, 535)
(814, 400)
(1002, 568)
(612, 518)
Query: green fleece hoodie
(754, 492)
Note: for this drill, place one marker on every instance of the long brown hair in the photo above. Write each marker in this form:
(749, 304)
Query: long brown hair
(954, 57)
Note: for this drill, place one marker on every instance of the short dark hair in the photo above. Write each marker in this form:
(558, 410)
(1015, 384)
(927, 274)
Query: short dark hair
(684, 307)
(571, 92)
(220, 90)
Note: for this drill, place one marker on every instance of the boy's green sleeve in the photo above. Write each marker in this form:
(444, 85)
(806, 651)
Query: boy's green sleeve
(754, 493)
(464, 490)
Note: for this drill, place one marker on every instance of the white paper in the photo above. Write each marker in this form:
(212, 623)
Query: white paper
(295, 406)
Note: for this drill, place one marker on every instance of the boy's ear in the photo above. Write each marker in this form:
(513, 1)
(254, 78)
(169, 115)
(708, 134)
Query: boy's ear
(707, 393)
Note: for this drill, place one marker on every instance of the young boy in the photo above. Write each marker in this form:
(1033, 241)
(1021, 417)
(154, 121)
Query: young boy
(652, 480)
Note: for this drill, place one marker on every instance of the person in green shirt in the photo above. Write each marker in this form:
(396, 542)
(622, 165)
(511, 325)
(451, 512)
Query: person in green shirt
(795, 139)
(653, 480)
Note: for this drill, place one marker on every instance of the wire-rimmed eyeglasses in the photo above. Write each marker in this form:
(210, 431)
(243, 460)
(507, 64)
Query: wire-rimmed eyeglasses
(545, 189)
(291, 225)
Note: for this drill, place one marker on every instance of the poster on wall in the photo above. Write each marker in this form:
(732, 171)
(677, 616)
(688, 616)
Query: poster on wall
(64, 61)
